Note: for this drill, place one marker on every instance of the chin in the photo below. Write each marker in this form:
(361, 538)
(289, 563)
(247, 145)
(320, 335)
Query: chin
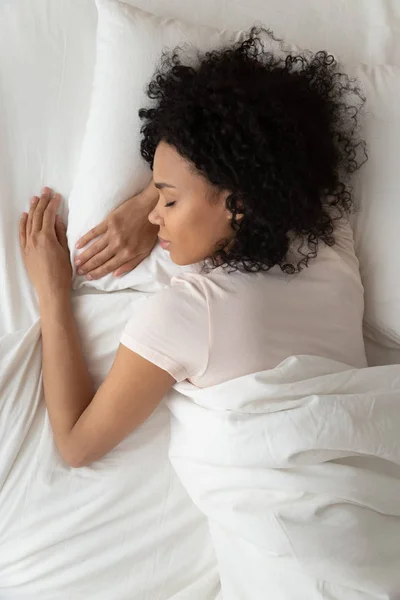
(181, 261)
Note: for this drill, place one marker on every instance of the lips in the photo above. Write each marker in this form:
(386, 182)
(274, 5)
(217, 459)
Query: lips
(165, 244)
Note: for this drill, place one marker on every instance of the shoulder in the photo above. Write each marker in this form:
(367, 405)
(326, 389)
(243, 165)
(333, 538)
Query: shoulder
(184, 302)
(186, 293)
(213, 285)
(171, 329)
(342, 256)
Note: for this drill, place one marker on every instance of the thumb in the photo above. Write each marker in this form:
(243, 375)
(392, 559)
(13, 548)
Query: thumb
(61, 232)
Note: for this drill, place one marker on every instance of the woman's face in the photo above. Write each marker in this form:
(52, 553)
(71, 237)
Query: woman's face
(191, 212)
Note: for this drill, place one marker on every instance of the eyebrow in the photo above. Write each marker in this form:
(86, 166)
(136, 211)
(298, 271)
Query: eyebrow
(161, 185)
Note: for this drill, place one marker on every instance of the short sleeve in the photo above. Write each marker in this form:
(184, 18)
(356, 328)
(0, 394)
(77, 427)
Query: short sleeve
(171, 330)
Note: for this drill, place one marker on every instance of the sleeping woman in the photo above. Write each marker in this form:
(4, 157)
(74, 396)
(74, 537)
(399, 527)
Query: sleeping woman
(251, 155)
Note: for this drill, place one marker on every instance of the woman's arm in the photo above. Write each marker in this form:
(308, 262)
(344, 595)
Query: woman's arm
(68, 387)
(86, 425)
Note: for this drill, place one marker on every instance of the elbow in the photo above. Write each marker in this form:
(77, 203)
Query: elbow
(71, 455)
(74, 460)
(75, 463)
(77, 454)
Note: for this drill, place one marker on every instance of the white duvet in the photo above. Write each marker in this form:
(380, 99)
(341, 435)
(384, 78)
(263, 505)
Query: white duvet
(298, 472)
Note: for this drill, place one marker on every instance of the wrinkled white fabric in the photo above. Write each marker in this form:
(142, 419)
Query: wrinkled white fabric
(298, 472)
(47, 53)
(122, 528)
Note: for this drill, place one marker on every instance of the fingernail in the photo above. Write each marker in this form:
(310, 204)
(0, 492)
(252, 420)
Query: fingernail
(80, 272)
(77, 245)
(89, 277)
(45, 190)
(77, 261)
(34, 199)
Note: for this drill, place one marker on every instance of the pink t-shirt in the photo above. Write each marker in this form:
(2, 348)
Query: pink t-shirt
(210, 328)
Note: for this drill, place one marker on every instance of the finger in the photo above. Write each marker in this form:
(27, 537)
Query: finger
(49, 215)
(130, 265)
(22, 229)
(61, 232)
(92, 251)
(90, 235)
(37, 222)
(97, 261)
(109, 267)
(34, 202)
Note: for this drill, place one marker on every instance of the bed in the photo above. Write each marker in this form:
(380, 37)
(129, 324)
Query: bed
(128, 527)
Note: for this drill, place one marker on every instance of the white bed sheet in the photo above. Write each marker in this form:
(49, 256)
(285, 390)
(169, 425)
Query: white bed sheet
(46, 68)
(47, 52)
(123, 528)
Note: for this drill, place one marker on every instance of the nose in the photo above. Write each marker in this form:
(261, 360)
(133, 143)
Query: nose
(155, 217)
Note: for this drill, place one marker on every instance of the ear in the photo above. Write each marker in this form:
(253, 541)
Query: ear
(239, 215)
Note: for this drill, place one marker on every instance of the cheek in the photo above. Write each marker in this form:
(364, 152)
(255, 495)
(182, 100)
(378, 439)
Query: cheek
(194, 233)
(196, 227)
(186, 230)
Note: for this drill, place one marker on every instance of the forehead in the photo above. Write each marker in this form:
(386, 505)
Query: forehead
(170, 167)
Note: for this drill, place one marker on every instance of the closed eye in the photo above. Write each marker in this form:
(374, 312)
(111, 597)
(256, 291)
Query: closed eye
(168, 204)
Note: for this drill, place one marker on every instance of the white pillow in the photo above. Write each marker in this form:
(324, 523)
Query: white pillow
(129, 46)
(377, 225)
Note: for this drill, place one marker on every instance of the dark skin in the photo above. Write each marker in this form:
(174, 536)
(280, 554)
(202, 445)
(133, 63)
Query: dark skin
(88, 424)
(126, 238)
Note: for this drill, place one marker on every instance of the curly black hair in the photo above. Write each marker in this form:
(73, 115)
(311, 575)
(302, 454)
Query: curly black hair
(278, 130)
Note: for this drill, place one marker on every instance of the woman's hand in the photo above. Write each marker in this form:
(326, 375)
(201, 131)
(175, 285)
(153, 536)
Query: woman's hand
(127, 237)
(44, 246)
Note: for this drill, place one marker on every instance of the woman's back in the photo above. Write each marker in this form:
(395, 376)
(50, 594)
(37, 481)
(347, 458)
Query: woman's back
(214, 327)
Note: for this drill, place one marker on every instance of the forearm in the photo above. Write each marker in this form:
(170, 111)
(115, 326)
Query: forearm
(67, 384)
